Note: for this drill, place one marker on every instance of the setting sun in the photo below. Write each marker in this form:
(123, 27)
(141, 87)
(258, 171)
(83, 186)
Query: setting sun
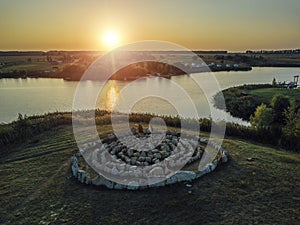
(110, 38)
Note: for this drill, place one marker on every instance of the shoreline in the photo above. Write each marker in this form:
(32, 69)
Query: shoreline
(168, 76)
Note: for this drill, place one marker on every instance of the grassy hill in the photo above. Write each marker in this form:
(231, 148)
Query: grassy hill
(37, 188)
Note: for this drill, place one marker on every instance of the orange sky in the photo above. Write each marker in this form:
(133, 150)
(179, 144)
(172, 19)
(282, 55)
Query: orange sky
(233, 25)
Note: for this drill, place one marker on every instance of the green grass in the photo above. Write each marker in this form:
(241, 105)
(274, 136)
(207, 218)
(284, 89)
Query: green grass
(37, 188)
(242, 101)
(268, 93)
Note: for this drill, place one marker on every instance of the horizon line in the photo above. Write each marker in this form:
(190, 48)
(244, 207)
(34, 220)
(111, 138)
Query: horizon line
(162, 50)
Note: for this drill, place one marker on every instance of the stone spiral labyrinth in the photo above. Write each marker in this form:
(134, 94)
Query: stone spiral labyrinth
(172, 145)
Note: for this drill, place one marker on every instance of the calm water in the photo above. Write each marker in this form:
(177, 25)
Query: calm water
(38, 96)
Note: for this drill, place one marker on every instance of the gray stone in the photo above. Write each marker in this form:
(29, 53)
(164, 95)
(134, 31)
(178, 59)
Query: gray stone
(103, 157)
(130, 152)
(120, 186)
(203, 140)
(111, 137)
(156, 161)
(152, 152)
(109, 165)
(133, 161)
(210, 167)
(174, 141)
(133, 185)
(157, 171)
(201, 173)
(74, 166)
(214, 165)
(120, 167)
(165, 154)
(189, 185)
(157, 184)
(185, 176)
(141, 159)
(102, 181)
(127, 159)
(171, 180)
(224, 157)
(82, 176)
(114, 170)
(174, 133)
(172, 147)
(157, 155)
(117, 149)
(148, 159)
(143, 154)
(136, 154)
(170, 163)
(138, 173)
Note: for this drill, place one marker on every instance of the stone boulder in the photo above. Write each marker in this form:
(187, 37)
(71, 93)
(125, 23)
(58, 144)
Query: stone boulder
(74, 166)
(133, 185)
(224, 156)
(171, 180)
(102, 181)
(120, 186)
(157, 184)
(157, 171)
(184, 176)
(82, 176)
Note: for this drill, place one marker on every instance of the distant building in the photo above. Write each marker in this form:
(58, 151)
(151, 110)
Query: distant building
(286, 51)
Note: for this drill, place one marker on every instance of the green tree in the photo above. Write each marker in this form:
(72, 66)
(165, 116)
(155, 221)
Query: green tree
(274, 83)
(290, 119)
(22, 126)
(262, 117)
(291, 131)
(297, 127)
(279, 104)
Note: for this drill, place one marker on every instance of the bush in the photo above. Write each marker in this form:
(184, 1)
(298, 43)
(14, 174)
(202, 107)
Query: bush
(26, 127)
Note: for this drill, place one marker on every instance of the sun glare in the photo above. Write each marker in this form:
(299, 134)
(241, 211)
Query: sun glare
(110, 39)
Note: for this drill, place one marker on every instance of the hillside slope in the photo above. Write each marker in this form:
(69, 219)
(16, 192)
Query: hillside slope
(37, 188)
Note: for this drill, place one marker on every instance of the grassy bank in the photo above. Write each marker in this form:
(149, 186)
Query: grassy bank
(272, 112)
(242, 101)
(37, 188)
(266, 94)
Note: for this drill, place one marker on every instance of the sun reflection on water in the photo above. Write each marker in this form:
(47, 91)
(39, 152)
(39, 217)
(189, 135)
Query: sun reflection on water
(111, 97)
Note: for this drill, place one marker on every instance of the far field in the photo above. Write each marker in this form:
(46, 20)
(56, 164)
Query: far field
(71, 65)
(259, 185)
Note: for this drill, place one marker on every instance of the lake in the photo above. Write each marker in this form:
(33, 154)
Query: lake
(37, 96)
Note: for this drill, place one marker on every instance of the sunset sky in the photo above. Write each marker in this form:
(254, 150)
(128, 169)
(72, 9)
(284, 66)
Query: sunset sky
(234, 25)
